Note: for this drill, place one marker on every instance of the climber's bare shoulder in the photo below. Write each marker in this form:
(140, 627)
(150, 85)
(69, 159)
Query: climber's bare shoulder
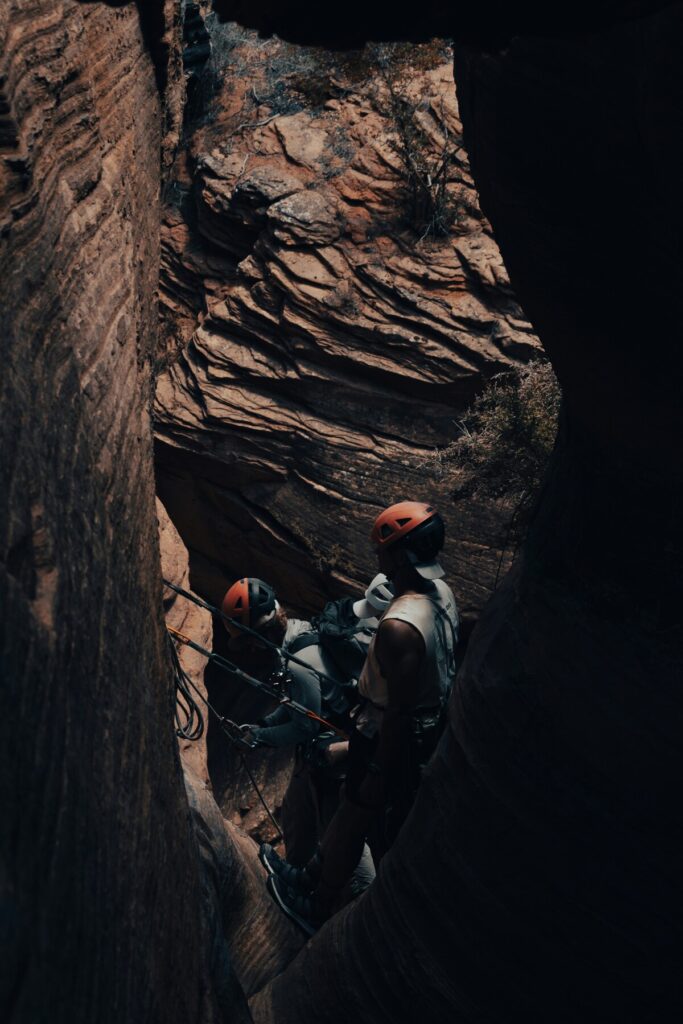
(400, 649)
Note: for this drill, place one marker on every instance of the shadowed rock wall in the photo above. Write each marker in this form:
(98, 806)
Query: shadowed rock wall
(99, 889)
(537, 878)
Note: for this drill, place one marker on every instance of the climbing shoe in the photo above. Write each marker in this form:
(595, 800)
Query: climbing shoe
(305, 909)
(302, 879)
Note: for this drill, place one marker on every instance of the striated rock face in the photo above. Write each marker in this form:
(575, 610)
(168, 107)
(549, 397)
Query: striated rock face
(330, 350)
(99, 884)
(193, 622)
(250, 940)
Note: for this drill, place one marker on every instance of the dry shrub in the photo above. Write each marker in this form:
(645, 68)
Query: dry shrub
(388, 71)
(506, 439)
(331, 75)
(430, 207)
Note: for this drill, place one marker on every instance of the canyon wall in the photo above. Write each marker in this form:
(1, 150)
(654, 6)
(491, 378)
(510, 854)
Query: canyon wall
(328, 350)
(99, 882)
(247, 939)
(538, 875)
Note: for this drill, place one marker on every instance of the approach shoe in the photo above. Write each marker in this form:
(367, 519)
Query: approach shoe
(302, 879)
(305, 909)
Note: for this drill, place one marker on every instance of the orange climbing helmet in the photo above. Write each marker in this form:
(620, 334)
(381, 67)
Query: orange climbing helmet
(250, 602)
(398, 520)
(420, 530)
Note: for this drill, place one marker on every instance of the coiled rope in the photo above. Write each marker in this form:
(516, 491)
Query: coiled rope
(190, 722)
(258, 684)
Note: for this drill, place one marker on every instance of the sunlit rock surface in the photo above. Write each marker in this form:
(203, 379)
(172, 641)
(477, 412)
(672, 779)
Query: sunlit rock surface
(99, 885)
(330, 350)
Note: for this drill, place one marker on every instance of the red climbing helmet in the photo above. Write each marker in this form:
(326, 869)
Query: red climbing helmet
(420, 530)
(249, 601)
(398, 520)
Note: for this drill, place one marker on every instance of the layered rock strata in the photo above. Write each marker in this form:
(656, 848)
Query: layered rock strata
(99, 886)
(329, 350)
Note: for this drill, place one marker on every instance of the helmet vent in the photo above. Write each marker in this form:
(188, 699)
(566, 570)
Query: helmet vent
(403, 522)
(385, 530)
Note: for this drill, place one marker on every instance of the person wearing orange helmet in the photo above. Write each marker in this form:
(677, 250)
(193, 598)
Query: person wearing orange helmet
(405, 683)
(252, 603)
(318, 681)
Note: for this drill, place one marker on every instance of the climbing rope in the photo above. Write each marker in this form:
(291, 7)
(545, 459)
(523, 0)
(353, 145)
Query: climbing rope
(260, 795)
(188, 717)
(322, 676)
(189, 722)
(193, 727)
(258, 684)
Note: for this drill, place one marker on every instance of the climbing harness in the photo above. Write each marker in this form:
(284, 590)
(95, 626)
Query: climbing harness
(282, 651)
(188, 717)
(193, 730)
(272, 691)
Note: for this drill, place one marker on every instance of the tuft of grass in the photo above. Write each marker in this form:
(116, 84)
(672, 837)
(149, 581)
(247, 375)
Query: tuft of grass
(505, 441)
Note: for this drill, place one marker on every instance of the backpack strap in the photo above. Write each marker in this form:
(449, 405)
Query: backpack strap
(302, 641)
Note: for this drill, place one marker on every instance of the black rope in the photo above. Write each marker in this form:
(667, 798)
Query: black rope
(189, 721)
(194, 725)
(260, 794)
(258, 684)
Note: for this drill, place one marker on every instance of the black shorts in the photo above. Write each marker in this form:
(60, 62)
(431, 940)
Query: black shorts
(361, 752)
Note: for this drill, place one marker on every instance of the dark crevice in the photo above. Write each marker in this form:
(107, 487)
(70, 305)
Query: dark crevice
(153, 25)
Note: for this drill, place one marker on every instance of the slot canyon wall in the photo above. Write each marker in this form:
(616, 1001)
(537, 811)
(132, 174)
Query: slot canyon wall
(248, 940)
(326, 351)
(99, 873)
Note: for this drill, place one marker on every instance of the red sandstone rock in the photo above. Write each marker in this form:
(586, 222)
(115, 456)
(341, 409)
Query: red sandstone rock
(195, 623)
(330, 351)
(99, 883)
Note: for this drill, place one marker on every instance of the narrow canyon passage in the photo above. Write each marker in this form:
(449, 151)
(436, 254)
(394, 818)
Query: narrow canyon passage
(311, 353)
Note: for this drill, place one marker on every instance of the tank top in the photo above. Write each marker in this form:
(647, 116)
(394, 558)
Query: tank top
(435, 616)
